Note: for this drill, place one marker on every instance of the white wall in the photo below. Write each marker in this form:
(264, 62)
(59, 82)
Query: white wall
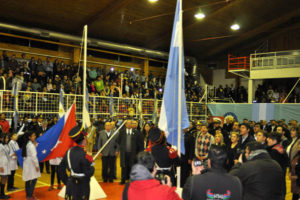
(219, 79)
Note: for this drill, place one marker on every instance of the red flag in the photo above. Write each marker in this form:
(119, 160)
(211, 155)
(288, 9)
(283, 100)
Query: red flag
(64, 142)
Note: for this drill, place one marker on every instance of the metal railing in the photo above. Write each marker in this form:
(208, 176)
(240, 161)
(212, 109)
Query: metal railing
(47, 104)
(279, 59)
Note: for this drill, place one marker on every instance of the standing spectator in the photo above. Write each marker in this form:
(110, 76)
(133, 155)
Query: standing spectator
(293, 153)
(215, 183)
(48, 67)
(278, 153)
(130, 144)
(233, 150)
(4, 124)
(54, 163)
(99, 85)
(203, 142)
(109, 153)
(261, 176)
(13, 63)
(245, 136)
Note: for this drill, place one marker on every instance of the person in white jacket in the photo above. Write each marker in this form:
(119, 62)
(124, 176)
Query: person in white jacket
(13, 164)
(54, 163)
(4, 164)
(31, 167)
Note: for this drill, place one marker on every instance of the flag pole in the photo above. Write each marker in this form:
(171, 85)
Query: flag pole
(179, 96)
(105, 144)
(85, 29)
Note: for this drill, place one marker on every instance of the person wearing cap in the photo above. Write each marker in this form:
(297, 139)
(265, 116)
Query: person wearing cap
(215, 183)
(261, 176)
(130, 143)
(80, 166)
(165, 156)
(245, 136)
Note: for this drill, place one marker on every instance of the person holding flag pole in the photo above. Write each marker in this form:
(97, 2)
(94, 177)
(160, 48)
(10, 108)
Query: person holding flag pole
(173, 117)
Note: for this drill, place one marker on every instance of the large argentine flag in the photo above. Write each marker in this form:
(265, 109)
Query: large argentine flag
(170, 109)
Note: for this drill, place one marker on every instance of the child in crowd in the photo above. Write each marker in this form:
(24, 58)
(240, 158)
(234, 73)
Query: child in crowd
(13, 147)
(31, 167)
(54, 163)
(4, 164)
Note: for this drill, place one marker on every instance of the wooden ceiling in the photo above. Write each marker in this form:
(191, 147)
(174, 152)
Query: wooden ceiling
(140, 23)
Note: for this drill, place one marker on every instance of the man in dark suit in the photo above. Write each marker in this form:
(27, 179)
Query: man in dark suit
(131, 143)
(109, 152)
(41, 129)
(245, 136)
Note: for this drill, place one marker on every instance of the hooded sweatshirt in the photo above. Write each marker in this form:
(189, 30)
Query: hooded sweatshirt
(144, 186)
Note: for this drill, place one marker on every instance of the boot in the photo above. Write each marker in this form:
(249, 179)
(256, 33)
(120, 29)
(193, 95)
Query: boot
(2, 195)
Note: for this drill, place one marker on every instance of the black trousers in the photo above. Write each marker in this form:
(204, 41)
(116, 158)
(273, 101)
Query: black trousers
(54, 170)
(108, 163)
(126, 169)
(29, 187)
(10, 180)
(47, 166)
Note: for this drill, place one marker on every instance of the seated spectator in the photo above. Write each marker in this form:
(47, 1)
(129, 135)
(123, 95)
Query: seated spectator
(260, 175)
(144, 186)
(215, 183)
(36, 86)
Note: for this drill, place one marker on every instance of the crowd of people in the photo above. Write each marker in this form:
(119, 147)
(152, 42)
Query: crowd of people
(49, 76)
(252, 157)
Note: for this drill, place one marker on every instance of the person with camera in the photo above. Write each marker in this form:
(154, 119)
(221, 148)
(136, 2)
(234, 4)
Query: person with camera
(215, 182)
(260, 175)
(144, 186)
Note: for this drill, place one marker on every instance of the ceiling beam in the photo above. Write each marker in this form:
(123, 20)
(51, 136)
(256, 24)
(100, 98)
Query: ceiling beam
(159, 39)
(107, 11)
(254, 32)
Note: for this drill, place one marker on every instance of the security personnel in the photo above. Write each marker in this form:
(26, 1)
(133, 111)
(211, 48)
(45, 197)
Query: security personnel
(165, 156)
(80, 166)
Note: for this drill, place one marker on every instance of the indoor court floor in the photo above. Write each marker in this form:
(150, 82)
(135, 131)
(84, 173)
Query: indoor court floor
(112, 190)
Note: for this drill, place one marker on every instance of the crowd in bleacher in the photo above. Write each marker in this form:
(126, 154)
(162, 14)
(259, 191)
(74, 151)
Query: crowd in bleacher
(45, 75)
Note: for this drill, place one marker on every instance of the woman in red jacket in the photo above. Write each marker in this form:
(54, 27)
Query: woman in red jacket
(144, 186)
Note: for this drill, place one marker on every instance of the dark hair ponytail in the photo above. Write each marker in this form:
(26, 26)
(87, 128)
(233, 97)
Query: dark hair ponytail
(26, 140)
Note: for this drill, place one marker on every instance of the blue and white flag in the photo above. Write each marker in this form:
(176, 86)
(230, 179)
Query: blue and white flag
(46, 142)
(263, 111)
(169, 115)
(111, 105)
(86, 121)
(61, 103)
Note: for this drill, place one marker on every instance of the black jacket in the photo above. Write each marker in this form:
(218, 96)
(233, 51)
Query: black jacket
(76, 188)
(214, 184)
(261, 178)
(242, 145)
(137, 145)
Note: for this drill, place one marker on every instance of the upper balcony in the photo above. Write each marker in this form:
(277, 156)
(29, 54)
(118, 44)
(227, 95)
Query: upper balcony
(280, 64)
